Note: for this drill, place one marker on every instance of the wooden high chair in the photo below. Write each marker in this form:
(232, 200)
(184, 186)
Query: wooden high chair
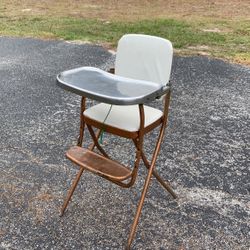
(141, 74)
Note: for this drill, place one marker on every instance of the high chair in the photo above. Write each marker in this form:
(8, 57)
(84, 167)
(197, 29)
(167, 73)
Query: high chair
(141, 74)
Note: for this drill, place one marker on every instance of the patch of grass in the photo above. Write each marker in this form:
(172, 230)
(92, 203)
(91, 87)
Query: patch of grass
(213, 28)
(228, 41)
(179, 32)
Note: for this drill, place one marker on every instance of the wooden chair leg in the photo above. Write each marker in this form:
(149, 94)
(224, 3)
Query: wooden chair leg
(165, 184)
(92, 145)
(146, 185)
(71, 191)
(95, 140)
(82, 123)
(139, 208)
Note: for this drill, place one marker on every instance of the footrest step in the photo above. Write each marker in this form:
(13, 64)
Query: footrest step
(98, 164)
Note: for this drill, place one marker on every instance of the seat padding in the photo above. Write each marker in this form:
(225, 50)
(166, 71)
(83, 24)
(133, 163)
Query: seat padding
(123, 117)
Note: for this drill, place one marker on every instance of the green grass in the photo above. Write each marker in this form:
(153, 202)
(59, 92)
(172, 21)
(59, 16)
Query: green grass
(234, 43)
(179, 32)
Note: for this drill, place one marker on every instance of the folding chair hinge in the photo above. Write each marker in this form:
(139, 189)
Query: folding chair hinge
(138, 155)
(169, 84)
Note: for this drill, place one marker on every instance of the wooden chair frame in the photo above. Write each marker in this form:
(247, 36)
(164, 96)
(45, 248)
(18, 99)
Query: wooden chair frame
(137, 138)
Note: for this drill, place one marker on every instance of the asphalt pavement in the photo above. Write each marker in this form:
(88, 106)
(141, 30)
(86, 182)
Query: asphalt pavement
(205, 155)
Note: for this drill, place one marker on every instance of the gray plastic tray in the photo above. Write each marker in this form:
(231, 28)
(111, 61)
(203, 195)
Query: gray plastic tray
(102, 86)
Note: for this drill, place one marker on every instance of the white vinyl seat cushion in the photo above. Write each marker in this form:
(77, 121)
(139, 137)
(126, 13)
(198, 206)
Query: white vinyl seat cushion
(123, 117)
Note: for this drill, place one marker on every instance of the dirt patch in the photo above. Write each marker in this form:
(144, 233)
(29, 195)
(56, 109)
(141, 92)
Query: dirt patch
(130, 10)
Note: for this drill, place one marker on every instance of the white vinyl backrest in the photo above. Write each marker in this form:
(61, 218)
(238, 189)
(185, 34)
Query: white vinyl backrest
(144, 57)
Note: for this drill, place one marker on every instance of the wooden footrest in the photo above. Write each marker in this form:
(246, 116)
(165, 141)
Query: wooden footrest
(98, 164)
